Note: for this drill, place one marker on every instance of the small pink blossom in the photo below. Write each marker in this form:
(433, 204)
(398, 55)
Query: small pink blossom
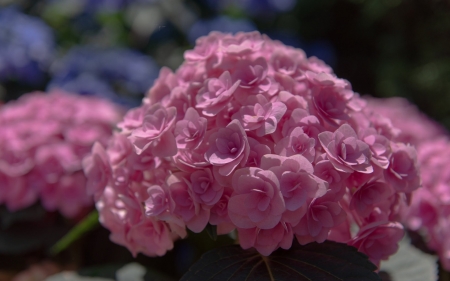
(325, 170)
(158, 203)
(297, 143)
(184, 204)
(219, 214)
(308, 123)
(119, 147)
(257, 151)
(150, 237)
(253, 77)
(368, 195)
(345, 151)
(216, 94)
(297, 182)
(333, 104)
(97, 170)
(379, 145)
(205, 189)
(378, 240)
(190, 131)
(228, 148)
(262, 117)
(323, 214)
(402, 172)
(265, 241)
(257, 200)
(155, 132)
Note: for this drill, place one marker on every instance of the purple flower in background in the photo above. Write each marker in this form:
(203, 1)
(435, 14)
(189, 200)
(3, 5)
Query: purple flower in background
(26, 47)
(122, 75)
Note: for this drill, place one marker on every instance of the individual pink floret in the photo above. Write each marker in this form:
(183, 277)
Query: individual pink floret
(378, 240)
(262, 117)
(228, 148)
(297, 143)
(403, 172)
(216, 94)
(257, 200)
(345, 151)
(265, 241)
(155, 131)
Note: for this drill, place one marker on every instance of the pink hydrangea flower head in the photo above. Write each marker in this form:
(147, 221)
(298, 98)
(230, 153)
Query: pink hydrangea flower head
(44, 138)
(248, 135)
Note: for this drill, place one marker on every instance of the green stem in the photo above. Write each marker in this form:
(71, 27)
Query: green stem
(88, 223)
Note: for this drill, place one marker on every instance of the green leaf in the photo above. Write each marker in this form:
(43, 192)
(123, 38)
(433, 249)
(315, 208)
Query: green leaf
(328, 261)
(212, 231)
(87, 224)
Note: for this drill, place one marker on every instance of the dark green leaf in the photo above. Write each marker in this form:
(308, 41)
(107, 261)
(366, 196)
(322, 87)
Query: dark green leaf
(88, 223)
(328, 261)
(212, 231)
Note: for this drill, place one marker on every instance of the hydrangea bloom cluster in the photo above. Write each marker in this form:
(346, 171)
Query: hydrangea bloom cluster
(43, 140)
(429, 211)
(251, 135)
(26, 47)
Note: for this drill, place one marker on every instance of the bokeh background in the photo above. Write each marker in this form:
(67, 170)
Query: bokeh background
(115, 48)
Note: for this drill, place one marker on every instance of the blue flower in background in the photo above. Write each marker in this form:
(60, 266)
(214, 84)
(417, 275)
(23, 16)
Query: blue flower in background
(221, 23)
(95, 6)
(121, 75)
(27, 47)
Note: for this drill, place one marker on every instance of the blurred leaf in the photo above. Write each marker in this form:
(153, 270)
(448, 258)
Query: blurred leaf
(326, 261)
(33, 213)
(27, 237)
(212, 231)
(87, 224)
(121, 272)
(410, 264)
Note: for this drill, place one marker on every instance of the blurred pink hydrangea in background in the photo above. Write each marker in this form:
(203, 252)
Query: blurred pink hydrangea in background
(44, 137)
(252, 135)
(429, 211)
